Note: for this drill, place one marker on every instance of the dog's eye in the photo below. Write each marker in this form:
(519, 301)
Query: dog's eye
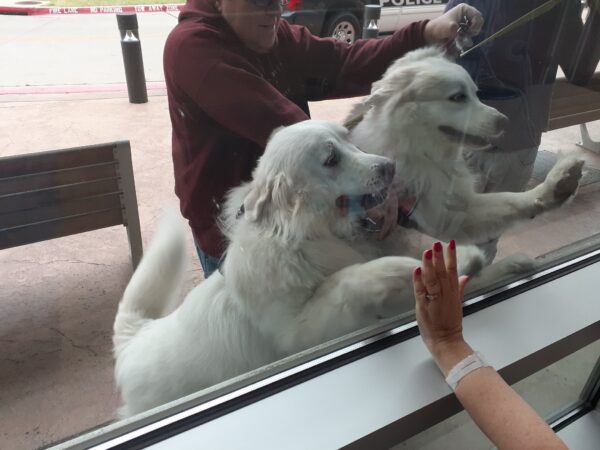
(332, 159)
(458, 98)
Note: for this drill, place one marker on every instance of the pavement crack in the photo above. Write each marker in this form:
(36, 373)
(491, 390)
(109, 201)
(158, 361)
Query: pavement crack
(14, 361)
(71, 261)
(73, 344)
(77, 261)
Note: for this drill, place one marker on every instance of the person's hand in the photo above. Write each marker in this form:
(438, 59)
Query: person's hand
(444, 29)
(439, 294)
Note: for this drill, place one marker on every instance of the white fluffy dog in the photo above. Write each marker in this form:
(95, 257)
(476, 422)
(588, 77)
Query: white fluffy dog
(291, 279)
(423, 113)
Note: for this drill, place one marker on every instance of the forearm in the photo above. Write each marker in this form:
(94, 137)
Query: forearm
(507, 420)
(366, 60)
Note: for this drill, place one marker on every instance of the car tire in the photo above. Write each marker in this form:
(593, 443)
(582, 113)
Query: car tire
(343, 26)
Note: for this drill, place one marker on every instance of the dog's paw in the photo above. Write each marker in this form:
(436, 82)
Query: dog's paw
(512, 266)
(562, 182)
(470, 258)
(518, 264)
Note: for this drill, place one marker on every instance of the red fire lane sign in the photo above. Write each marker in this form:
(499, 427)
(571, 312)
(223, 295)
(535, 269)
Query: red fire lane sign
(66, 10)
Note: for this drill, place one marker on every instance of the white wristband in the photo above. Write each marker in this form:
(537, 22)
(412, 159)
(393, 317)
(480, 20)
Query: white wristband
(465, 367)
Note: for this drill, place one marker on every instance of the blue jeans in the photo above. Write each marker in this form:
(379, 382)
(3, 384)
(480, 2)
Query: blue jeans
(209, 263)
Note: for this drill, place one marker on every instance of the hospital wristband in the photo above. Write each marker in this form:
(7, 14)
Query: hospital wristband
(465, 367)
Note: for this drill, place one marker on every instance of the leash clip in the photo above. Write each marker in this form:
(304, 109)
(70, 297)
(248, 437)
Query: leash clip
(464, 25)
(463, 40)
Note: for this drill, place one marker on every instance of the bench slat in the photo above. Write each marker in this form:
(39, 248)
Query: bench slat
(576, 102)
(52, 229)
(67, 208)
(13, 166)
(44, 180)
(45, 197)
(573, 119)
(573, 105)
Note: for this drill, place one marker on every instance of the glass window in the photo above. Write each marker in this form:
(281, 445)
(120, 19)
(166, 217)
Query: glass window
(283, 244)
(550, 391)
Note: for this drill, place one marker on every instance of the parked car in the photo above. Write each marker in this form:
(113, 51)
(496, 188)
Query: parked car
(343, 19)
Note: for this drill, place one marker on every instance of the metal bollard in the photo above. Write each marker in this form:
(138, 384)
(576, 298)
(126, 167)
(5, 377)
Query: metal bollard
(370, 27)
(132, 57)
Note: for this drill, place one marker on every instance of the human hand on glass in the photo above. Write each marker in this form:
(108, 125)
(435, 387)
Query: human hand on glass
(455, 25)
(439, 293)
(504, 417)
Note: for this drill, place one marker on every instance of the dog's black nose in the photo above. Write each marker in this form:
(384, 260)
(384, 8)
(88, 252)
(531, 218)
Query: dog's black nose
(501, 122)
(387, 170)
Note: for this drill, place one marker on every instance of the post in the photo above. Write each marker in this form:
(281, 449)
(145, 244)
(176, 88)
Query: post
(131, 48)
(129, 205)
(370, 27)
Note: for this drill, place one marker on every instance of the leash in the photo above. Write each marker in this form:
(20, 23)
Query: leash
(531, 15)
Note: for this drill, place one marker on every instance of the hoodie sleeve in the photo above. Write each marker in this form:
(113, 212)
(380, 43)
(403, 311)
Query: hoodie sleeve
(244, 103)
(341, 70)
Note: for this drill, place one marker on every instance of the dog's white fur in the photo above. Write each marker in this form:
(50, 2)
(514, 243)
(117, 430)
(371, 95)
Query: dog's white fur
(291, 278)
(405, 117)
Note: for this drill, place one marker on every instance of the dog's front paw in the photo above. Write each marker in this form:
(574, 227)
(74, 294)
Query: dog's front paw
(518, 264)
(561, 183)
(471, 259)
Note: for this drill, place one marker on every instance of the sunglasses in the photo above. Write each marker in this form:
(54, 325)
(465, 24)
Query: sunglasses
(268, 3)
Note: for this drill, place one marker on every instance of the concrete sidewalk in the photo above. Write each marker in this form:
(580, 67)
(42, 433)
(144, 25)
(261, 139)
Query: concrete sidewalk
(75, 50)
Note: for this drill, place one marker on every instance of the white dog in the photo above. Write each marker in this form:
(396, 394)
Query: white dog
(423, 113)
(291, 279)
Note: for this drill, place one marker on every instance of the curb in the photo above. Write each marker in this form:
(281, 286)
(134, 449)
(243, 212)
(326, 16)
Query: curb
(76, 10)
(75, 89)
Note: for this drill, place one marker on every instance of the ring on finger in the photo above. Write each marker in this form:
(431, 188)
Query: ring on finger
(431, 296)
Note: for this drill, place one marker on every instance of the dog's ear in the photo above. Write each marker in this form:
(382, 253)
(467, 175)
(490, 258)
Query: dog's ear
(256, 200)
(274, 193)
(356, 114)
(377, 97)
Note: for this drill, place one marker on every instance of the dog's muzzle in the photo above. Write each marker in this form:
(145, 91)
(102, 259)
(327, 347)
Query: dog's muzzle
(358, 204)
(464, 138)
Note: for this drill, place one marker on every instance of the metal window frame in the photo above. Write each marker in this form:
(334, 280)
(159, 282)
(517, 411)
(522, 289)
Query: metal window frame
(587, 402)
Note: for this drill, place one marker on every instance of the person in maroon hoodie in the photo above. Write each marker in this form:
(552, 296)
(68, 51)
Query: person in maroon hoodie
(235, 71)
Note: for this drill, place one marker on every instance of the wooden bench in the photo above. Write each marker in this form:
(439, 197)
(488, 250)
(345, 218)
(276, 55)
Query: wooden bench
(52, 194)
(574, 105)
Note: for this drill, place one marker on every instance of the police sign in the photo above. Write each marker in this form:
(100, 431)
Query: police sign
(385, 3)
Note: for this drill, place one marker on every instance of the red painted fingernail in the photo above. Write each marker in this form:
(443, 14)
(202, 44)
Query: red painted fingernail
(437, 246)
(428, 254)
(452, 245)
(418, 271)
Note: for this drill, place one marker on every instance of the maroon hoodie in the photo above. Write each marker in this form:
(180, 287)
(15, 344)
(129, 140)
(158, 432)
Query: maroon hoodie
(225, 100)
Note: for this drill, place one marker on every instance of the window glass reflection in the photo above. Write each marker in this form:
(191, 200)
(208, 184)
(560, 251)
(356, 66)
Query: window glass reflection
(311, 173)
